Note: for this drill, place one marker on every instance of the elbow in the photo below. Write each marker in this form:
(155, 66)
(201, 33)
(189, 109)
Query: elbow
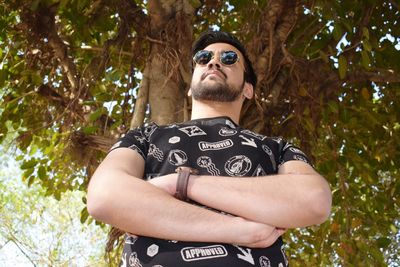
(97, 202)
(320, 204)
(95, 210)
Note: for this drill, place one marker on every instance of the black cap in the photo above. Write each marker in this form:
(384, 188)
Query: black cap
(211, 37)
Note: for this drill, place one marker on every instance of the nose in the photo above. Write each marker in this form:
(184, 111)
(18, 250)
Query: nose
(214, 62)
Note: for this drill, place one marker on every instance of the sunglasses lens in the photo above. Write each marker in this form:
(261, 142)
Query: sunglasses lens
(202, 57)
(229, 57)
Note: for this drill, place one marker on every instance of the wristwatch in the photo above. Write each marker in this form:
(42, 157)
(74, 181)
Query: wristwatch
(183, 181)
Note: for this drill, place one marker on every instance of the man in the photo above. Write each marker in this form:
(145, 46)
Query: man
(216, 213)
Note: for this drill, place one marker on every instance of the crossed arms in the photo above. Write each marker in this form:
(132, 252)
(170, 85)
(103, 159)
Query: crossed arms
(262, 206)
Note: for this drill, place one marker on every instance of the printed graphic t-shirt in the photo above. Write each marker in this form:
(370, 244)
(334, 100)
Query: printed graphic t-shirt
(213, 146)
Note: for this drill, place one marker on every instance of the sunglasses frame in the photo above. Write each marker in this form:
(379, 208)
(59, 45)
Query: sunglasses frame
(220, 57)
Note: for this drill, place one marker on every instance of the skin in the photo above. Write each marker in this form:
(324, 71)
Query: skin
(263, 207)
(234, 78)
(211, 82)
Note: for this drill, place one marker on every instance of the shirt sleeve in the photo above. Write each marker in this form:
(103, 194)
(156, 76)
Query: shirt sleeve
(288, 152)
(134, 139)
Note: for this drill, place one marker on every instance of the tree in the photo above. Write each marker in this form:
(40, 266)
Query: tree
(40, 231)
(77, 74)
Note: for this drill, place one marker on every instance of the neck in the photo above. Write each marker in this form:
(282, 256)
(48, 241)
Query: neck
(209, 109)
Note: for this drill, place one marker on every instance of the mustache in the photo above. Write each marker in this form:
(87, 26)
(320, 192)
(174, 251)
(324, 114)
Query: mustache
(213, 70)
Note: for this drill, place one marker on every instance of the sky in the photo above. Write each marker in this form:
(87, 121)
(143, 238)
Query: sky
(42, 225)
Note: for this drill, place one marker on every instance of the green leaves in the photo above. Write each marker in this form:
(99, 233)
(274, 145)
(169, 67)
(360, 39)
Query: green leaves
(28, 164)
(337, 32)
(57, 221)
(96, 114)
(84, 215)
(339, 75)
(3, 77)
(366, 62)
(342, 62)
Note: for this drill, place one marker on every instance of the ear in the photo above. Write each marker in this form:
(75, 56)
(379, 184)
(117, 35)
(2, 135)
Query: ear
(189, 93)
(248, 90)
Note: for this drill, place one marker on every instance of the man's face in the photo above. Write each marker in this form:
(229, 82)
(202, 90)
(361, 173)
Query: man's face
(217, 82)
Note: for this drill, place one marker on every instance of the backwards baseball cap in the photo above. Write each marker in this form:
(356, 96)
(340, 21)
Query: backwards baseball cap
(211, 37)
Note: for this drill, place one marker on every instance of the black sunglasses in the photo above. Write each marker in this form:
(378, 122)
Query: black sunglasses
(227, 58)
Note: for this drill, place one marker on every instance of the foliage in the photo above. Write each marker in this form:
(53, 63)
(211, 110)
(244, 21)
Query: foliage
(40, 231)
(76, 74)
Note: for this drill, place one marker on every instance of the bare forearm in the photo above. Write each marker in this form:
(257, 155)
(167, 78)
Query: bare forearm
(140, 208)
(137, 207)
(287, 201)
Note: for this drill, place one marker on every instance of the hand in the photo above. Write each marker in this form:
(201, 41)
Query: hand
(258, 235)
(166, 183)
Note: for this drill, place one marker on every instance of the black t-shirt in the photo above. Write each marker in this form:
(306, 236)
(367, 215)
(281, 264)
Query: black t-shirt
(213, 146)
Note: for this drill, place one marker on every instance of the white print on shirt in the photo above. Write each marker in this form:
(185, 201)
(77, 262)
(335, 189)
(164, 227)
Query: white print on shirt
(141, 139)
(248, 141)
(123, 260)
(296, 150)
(204, 146)
(264, 261)
(238, 165)
(277, 139)
(192, 131)
(246, 254)
(174, 140)
(280, 264)
(206, 162)
(177, 157)
(171, 126)
(137, 149)
(202, 253)
(227, 132)
(271, 155)
(230, 124)
(298, 157)
(152, 250)
(130, 239)
(287, 145)
(253, 134)
(155, 152)
(117, 144)
(284, 255)
(259, 171)
(148, 131)
(134, 261)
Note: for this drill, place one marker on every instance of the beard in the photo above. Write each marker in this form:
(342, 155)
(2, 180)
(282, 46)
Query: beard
(216, 91)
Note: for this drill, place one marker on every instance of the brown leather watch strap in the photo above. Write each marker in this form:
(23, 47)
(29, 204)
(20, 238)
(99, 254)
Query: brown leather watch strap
(183, 181)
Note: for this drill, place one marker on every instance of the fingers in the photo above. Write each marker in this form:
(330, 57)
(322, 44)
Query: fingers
(281, 231)
(268, 241)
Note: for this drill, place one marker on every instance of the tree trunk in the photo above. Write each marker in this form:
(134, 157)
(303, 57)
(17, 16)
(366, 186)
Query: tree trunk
(167, 70)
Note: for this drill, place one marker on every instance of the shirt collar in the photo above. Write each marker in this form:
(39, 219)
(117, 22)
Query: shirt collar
(222, 120)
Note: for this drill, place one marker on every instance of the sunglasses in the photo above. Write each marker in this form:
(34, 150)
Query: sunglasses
(227, 58)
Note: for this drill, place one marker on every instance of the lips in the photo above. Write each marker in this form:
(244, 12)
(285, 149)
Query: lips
(213, 72)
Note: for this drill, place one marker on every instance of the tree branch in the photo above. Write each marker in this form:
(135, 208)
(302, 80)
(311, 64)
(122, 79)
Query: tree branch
(134, 16)
(41, 25)
(61, 52)
(101, 50)
(5, 244)
(380, 76)
(95, 142)
(141, 100)
(288, 21)
(396, 5)
(23, 252)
